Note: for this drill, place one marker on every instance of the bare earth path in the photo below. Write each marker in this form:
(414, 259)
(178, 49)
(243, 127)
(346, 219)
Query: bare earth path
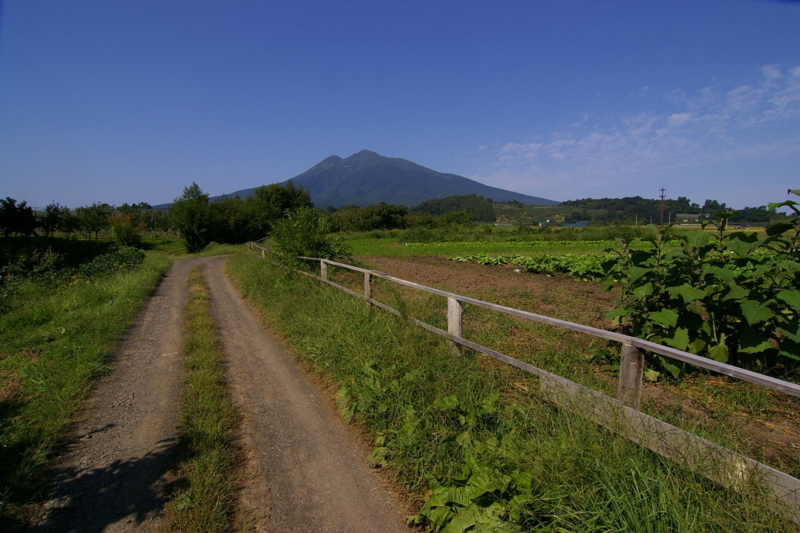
(112, 477)
(308, 467)
(305, 470)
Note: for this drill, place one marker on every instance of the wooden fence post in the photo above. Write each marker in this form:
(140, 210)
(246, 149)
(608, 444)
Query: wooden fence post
(368, 288)
(263, 253)
(323, 270)
(631, 369)
(455, 310)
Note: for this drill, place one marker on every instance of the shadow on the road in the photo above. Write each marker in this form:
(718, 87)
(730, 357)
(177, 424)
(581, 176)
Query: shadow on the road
(89, 500)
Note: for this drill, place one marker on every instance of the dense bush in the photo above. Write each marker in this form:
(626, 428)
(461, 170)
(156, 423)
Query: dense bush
(305, 232)
(733, 297)
(126, 231)
(46, 267)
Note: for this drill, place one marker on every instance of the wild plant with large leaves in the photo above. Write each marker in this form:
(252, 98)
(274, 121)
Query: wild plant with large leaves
(730, 296)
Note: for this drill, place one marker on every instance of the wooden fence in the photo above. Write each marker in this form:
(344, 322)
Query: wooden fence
(621, 415)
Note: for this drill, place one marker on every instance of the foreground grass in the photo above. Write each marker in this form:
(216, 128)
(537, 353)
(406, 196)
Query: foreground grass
(204, 499)
(52, 345)
(472, 442)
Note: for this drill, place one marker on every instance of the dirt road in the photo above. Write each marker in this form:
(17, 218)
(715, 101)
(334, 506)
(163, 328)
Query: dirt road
(113, 476)
(309, 467)
(305, 470)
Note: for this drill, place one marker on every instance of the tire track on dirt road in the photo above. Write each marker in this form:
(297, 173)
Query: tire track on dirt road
(113, 475)
(306, 470)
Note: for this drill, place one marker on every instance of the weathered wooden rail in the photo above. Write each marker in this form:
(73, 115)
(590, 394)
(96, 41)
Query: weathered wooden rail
(621, 415)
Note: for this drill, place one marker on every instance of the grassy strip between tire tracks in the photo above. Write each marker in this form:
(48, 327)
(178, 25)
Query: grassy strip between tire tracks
(205, 494)
(471, 440)
(53, 344)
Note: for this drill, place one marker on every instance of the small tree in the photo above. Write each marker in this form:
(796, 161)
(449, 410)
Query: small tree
(17, 219)
(127, 231)
(93, 218)
(69, 223)
(305, 232)
(52, 220)
(191, 216)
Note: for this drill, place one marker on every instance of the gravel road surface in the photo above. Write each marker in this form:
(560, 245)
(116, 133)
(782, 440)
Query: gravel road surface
(304, 470)
(113, 476)
(308, 468)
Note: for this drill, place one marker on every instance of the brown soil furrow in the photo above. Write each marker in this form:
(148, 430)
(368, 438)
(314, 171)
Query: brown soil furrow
(306, 471)
(112, 477)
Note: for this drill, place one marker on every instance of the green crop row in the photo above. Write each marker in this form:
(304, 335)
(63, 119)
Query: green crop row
(578, 266)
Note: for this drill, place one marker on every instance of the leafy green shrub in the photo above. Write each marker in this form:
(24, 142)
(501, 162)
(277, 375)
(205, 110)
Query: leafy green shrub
(126, 231)
(31, 263)
(305, 232)
(124, 258)
(192, 217)
(732, 297)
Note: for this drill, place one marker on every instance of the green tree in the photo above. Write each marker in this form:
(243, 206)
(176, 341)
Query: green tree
(127, 231)
(478, 207)
(17, 219)
(93, 218)
(231, 222)
(69, 223)
(375, 217)
(456, 218)
(191, 216)
(305, 232)
(270, 203)
(52, 219)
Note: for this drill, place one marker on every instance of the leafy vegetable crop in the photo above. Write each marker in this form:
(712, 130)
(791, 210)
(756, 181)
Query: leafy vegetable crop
(578, 266)
(733, 297)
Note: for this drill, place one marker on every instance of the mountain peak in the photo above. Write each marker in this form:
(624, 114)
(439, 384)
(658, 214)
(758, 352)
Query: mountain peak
(367, 178)
(332, 160)
(363, 153)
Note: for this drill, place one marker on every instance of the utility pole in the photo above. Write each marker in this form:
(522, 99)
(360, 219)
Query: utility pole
(663, 190)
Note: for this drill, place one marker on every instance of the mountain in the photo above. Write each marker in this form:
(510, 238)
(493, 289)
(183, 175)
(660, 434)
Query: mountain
(367, 178)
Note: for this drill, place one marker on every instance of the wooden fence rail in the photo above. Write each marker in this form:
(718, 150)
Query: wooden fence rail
(620, 415)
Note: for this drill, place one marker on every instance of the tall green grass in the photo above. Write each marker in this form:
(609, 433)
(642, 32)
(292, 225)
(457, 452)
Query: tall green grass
(206, 483)
(472, 441)
(53, 343)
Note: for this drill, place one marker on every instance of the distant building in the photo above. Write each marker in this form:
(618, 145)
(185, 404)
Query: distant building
(688, 218)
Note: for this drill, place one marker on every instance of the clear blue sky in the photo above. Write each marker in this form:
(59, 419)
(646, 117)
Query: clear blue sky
(129, 101)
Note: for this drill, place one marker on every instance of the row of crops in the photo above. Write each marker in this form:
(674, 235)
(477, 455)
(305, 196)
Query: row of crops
(579, 266)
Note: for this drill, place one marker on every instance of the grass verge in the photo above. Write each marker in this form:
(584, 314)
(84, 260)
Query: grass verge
(473, 442)
(204, 499)
(53, 344)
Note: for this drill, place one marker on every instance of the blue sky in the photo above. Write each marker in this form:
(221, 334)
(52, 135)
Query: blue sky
(132, 101)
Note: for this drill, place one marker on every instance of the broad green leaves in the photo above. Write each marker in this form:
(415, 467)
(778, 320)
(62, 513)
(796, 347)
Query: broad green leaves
(733, 297)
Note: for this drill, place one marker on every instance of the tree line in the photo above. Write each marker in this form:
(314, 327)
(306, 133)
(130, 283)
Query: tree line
(628, 210)
(18, 219)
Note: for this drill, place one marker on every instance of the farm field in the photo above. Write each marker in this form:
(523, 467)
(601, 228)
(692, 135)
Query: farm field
(763, 425)
(392, 248)
(470, 439)
(472, 425)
